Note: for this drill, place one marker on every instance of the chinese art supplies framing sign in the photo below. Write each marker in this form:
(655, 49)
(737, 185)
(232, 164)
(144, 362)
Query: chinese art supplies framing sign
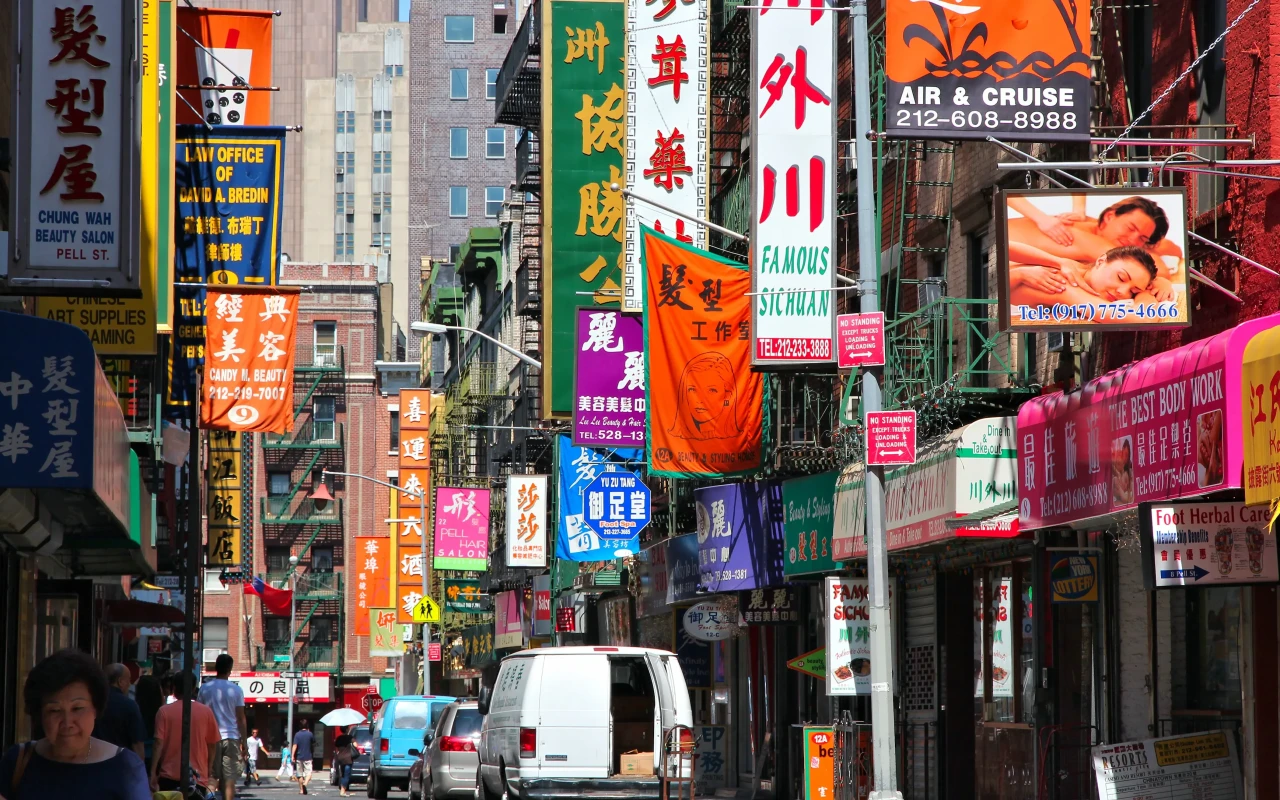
(527, 521)
(708, 421)
(1017, 70)
(1207, 544)
(609, 379)
(583, 136)
(462, 529)
(248, 369)
(1202, 765)
(77, 161)
(793, 183)
(1097, 259)
(667, 141)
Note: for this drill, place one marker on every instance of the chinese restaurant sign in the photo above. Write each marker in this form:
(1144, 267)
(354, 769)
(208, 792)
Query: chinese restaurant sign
(848, 636)
(415, 462)
(793, 183)
(373, 578)
(1207, 544)
(228, 183)
(809, 524)
(527, 521)
(1202, 765)
(668, 83)
(609, 382)
(224, 49)
(77, 160)
(384, 638)
(462, 529)
(1166, 427)
(248, 368)
(579, 466)
(583, 136)
(227, 503)
(708, 417)
(1017, 70)
(408, 593)
(463, 596)
(1260, 407)
(740, 534)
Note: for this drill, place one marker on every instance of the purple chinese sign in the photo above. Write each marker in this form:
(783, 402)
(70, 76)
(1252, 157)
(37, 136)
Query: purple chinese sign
(462, 529)
(740, 536)
(609, 389)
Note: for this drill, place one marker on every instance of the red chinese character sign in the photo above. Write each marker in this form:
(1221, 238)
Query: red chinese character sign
(793, 106)
(248, 369)
(527, 521)
(668, 57)
(891, 437)
(77, 162)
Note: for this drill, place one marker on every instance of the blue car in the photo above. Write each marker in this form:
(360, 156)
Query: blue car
(398, 730)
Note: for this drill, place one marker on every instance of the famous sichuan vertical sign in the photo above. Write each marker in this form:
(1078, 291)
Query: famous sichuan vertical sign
(793, 183)
(668, 78)
(583, 136)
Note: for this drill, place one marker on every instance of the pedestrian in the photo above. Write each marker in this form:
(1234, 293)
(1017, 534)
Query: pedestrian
(303, 756)
(166, 762)
(227, 702)
(121, 722)
(255, 746)
(64, 695)
(150, 700)
(344, 757)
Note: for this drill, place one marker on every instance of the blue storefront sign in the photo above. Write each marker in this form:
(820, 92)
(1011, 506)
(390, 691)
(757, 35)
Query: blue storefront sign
(616, 505)
(228, 184)
(695, 659)
(579, 467)
(740, 536)
(682, 568)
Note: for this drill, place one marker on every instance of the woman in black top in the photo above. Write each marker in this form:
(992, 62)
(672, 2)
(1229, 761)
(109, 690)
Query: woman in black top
(344, 756)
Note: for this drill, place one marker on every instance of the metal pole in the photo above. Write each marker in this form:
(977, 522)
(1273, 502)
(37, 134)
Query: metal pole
(426, 588)
(884, 750)
(293, 676)
(191, 572)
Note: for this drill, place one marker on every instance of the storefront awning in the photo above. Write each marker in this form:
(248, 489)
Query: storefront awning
(1163, 428)
(1000, 521)
(141, 614)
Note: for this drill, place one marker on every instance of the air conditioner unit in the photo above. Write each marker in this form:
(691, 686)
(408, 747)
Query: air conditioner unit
(1057, 341)
(210, 654)
(340, 171)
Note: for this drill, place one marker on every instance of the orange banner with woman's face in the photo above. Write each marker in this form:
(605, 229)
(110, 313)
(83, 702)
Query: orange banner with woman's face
(248, 367)
(705, 405)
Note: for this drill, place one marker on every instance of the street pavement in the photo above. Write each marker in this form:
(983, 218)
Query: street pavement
(271, 789)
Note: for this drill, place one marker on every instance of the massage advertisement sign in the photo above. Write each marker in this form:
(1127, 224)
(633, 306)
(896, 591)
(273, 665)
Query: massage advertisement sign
(1101, 259)
(1017, 70)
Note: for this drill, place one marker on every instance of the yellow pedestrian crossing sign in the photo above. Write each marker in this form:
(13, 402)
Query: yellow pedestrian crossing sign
(426, 611)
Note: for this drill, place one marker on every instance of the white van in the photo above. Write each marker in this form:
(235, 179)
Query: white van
(559, 721)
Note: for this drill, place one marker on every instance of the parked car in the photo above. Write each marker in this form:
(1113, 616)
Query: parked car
(399, 727)
(569, 722)
(360, 767)
(446, 766)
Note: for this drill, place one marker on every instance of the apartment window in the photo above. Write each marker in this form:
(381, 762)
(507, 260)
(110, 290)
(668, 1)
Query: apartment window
(493, 197)
(323, 631)
(326, 344)
(457, 143)
(394, 445)
(458, 79)
(344, 247)
(382, 122)
(277, 559)
(382, 203)
(457, 201)
(345, 122)
(382, 162)
(500, 23)
(279, 484)
(344, 203)
(455, 252)
(322, 559)
(395, 70)
(495, 143)
(459, 29)
(322, 419)
(275, 631)
(491, 84)
(346, 163)
(215, 633)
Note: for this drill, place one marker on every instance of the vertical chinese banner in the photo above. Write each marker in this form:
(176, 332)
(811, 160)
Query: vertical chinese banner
(415, 476)
(583, 135)
(225, 509)
(793, 183)
(1260, 399)
(526, 521)
(608, 379)
(250, 341)
(384, 639)
(667, 153)
(461, 540)
(705, 405)
(373, 578)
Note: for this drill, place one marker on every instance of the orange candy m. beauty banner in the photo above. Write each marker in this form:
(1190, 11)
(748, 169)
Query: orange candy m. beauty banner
(705, 405)
(235, 46)
(250, 341)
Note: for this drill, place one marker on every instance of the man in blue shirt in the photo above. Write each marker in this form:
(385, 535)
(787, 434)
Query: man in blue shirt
(121, 722)
(303, 756)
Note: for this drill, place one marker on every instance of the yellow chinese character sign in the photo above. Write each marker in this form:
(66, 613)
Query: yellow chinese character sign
(1260, 416)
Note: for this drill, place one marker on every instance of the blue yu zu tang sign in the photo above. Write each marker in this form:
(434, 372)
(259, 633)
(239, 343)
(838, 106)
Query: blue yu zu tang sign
(616, 505)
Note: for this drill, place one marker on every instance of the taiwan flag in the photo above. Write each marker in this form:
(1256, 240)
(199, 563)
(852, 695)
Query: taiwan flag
(276, 600)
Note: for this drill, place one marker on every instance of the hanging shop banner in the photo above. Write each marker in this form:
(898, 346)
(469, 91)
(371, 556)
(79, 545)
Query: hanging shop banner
(76, 197)
(1171, 423)
(694, 657)
(609, 380)
(709, 412)
(651, 575)
(778, 606)
(848, 636)
(711, 620)
(579, 466)
(820, 763)
(808, 504)
(228, 183)
(373, 578)
(250, 342)
(384, 638)
(1201, 765)
(477, 645)
(997, 623)
(226, 498)
(1260, 401)
(461, 529)
(463, 596)
(969, 473)
(583, 135)
(408, 591)
(616, 506)
(1123, 267)
(526, 521)
(508, 627)
(1018, 71)
(683, 570)
(1207, 544)
(740, 534)
(1073, 578)
(793, 184)
(221, 52)
(542, 626)
(667, 146)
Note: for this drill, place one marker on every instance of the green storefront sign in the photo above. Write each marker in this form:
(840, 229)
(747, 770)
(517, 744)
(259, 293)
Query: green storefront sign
(808, 504)
(583, 136)
(463, 596)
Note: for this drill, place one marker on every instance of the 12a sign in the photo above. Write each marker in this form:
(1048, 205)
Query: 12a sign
(616, 505)
(820, 763)
(891, 438)
(860, 340)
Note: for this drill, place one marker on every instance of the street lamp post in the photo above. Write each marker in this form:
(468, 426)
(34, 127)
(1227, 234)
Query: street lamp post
(293, 646)
(436, 327)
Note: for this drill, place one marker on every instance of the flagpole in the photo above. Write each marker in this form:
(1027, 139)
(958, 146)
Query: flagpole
(426, 588)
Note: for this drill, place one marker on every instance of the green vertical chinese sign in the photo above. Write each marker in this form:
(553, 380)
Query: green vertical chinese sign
(583, 136)
(808, 504)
